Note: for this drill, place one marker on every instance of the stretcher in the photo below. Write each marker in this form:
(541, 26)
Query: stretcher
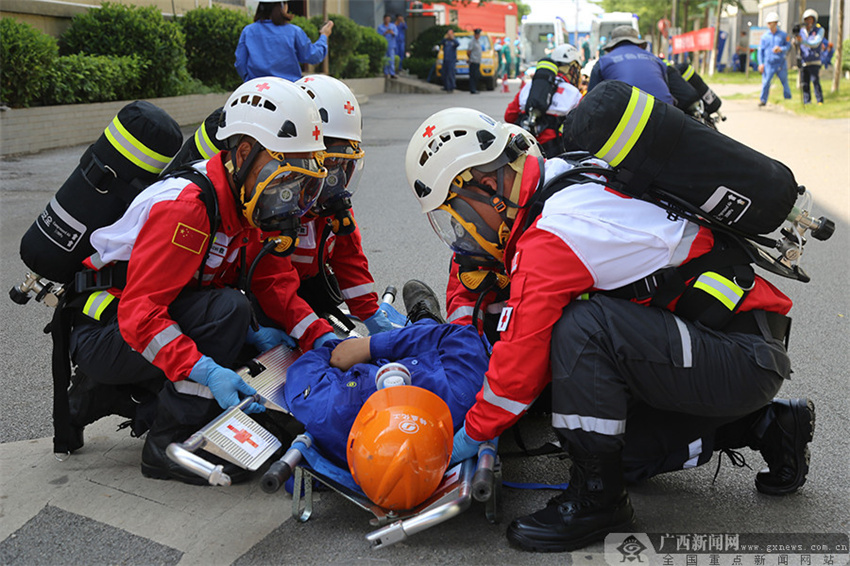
(238, 439)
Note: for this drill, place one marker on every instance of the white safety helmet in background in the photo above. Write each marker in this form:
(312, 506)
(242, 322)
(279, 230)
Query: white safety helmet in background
(447, 144)
(810, 14)
(771, 17)
(337, 105)
(343, 127)
(565, 54)
(276, 113)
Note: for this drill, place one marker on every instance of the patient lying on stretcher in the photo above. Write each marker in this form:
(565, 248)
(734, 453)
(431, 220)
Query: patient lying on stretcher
(396, 442)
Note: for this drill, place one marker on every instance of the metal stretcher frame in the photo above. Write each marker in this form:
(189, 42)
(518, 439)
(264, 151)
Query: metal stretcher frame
(451, 498)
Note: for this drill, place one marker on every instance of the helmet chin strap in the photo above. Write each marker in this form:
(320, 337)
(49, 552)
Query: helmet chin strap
(239, 174)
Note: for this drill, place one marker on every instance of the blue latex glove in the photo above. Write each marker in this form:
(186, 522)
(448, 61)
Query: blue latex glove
(225, 384)
(324, 338)
(378, 322)
(465, 447)
(267, 337)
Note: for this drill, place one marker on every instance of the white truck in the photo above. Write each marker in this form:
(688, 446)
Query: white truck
(602, 25)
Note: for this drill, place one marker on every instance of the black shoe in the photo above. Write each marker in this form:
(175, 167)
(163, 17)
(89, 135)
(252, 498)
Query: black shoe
(90, 401)
(762, 104)
(421, 302)
(157, 465)
(595, 504)
(785, 446)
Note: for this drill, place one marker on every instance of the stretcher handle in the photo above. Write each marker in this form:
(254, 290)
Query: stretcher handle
(484, 477)
(389, 294)
(280, 471)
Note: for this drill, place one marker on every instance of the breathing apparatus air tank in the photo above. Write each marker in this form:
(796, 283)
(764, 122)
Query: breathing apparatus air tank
(124, 160)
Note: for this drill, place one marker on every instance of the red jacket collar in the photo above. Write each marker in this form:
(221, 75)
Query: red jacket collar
(232, 219)
(531, 174)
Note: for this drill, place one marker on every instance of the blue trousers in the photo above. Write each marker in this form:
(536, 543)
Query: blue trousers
(389, 66)
(782, 73)
(810, 74)
(448, 72)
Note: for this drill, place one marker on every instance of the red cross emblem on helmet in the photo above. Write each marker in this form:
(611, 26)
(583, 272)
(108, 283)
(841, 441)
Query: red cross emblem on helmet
(348, 106)
(316, 133)
(429, 131)
(263, 86)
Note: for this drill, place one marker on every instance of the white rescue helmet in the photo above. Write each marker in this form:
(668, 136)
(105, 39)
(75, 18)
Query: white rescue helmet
(337, 105)
(771, 17)
(565, 54)
(447, 144)
(810, 14)
(276, 113)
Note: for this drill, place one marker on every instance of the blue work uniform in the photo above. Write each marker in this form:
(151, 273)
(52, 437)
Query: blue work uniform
(390, 33)
(400, 40)
(265, 49)
(636, 66)
(774, 63)
(449, 60)
(811, 45)
(447, 359)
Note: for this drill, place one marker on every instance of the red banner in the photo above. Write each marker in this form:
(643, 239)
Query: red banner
(699, 40)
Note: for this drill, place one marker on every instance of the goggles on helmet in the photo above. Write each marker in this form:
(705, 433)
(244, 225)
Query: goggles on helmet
(463, 229)
(286, 188)
(344, 162)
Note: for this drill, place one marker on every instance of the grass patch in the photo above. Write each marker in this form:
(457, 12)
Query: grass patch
(835, 104)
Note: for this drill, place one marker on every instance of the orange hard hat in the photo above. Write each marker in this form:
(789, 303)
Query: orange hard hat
(400, 445)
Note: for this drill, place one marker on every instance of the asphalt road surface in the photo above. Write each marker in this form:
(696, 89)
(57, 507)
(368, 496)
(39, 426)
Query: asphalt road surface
(96, 508)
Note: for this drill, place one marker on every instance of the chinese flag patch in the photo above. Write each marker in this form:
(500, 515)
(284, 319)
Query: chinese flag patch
(189, 238)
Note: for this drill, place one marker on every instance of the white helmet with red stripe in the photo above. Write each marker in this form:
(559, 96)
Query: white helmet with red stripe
(447, 144)
(276, 113)
(338, 107)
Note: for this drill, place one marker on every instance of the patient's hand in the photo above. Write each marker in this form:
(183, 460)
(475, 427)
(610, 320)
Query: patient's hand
(350, 352)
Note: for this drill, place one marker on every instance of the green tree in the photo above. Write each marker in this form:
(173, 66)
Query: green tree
(26, 59)
(211, 38)
(119, 30)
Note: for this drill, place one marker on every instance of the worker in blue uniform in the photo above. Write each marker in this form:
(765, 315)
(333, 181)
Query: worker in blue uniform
(274, 47)
(628, 60)
(326, 387)
(772, 50)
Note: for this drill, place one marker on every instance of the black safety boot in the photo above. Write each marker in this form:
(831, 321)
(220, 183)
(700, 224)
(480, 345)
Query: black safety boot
(781, 431)
(421, 302)
(89, 401)
(178, 417)
(595, 503)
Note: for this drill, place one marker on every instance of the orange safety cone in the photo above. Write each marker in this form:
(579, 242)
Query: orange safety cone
(505, 86)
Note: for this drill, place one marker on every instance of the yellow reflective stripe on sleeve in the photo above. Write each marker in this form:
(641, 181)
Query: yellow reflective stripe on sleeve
(629, 129)
(689, 72)
(721, 288)
(97, 303)
(549, 65)
(206, 147)
(134, 150)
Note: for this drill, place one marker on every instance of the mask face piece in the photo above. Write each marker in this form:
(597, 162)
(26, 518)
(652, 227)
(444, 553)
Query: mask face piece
(344, 163)
(464, 231)
(286, 188)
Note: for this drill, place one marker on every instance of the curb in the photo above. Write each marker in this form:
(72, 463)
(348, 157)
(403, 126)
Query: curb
(30, 130)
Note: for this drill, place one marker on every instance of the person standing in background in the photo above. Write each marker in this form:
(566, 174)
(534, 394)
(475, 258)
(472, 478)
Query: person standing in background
(810, 39)
(271, 46)
(401, 39)
(474, 54)
(389, 31)
(772, 49)
(450, 45)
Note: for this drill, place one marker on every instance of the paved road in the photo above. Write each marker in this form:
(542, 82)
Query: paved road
(96, 508)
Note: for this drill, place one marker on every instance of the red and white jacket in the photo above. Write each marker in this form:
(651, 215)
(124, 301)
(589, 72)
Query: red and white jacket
(565, 98)
(345, 255)
(163, 235)
(588, 238)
